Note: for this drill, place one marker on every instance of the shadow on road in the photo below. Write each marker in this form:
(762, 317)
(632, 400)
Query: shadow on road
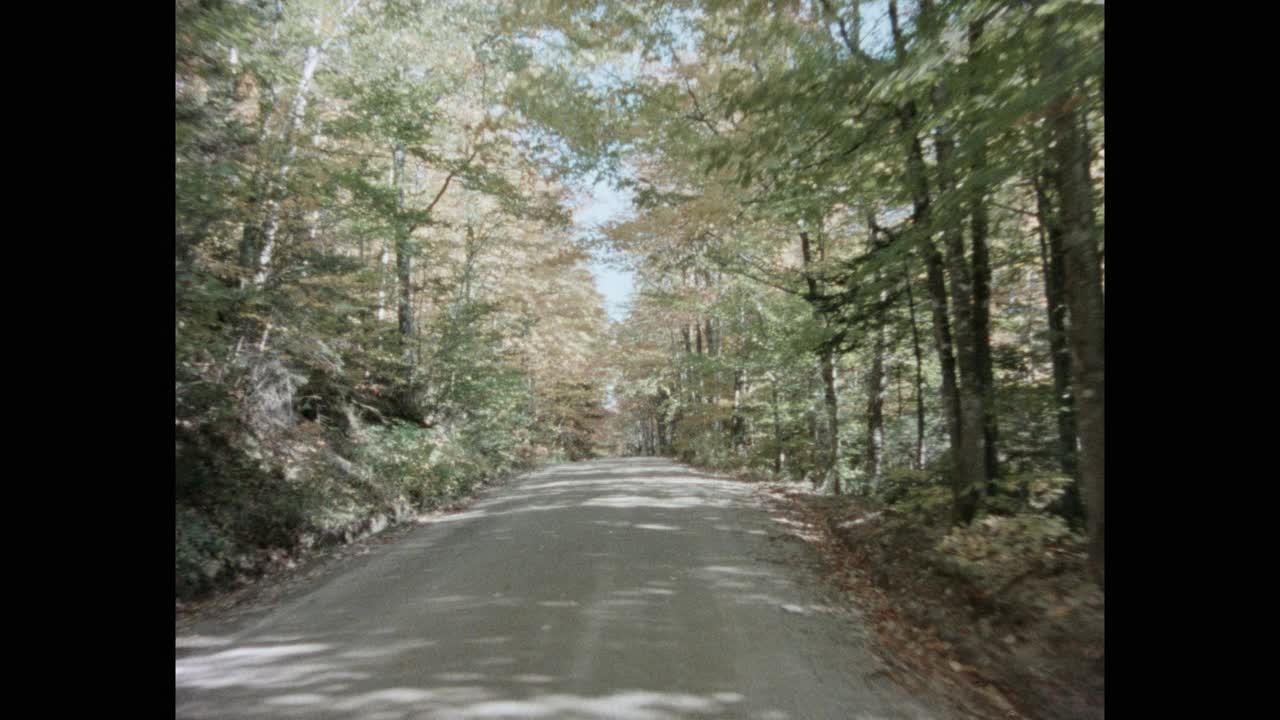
(615, 589)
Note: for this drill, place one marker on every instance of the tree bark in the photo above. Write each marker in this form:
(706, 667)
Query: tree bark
(1085, 302)
(875, 407)
(664, 424)
(875, 377)
(827, 371)
(404, 250)
(275, 186)
(737, 424)
(982, 336)
(919, 381)
(777, 428)
(972, 451)
(979, 226)
(964, 504)
(964, 499)
(1060, 355)
(833, 421)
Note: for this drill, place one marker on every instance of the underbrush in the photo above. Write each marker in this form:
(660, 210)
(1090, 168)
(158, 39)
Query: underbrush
(249, 502)
(1009, 594)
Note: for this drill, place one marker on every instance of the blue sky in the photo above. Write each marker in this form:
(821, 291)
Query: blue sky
(603, 205)
(599, 203)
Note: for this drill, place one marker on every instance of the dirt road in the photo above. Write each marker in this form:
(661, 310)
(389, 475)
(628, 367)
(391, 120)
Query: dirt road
(631, 588)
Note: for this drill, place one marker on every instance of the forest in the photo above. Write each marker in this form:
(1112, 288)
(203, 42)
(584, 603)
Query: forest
(866, 236)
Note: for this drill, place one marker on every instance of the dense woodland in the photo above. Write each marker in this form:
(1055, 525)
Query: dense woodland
(867, 240)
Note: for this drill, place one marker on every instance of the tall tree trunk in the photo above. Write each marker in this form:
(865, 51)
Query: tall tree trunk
(964, 500)
(875, 407)
(690, 387)
(827, 370)
(777, 428)
(1085, 302)
(250, 238)
(937, 290)
(982, 337)
(1060, 355)
(275, 187)
(833, 424)
(972, 449)
(384, 260)
(696, 368)
(979, 230)
(875, 378)
(815, 427)
(404, 267)
(919, 381)
(711, 383)
(1087, 332)
(664, 428)
(737, 425)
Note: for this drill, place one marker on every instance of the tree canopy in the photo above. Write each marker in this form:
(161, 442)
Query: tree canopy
(867, 236)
